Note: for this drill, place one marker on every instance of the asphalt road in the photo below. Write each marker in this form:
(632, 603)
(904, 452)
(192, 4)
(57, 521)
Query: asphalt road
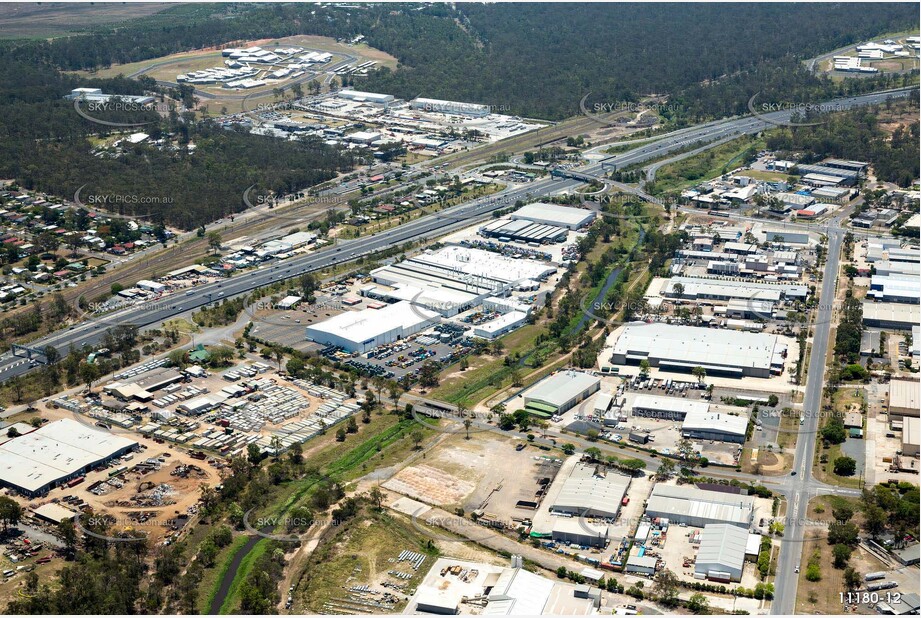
(428, 227)
(805, 486)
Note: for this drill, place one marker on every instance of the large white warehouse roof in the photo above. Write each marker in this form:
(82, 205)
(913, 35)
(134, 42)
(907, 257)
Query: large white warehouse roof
(369, 327)
(669, 405)
(554, 214)
(720, 422)
(689, 502)
(673, 347)
(590, 492)
(562, 387)
(56, 451)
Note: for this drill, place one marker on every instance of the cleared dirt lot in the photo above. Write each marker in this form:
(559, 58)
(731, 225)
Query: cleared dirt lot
(118, 503)
(485, 472)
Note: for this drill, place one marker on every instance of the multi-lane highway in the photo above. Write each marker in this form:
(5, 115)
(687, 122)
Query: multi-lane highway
(427, 227)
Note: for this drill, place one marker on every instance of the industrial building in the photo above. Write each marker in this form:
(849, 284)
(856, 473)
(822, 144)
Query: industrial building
(682, 348)
(580, 503)
(449, 107)
(366, 97)
(446, 300)
(886, 267)
(687, 504)
(502, 325)
(891, 250)
(785, 237)
(150, 286)
(455, 586)
(903, 399)
(602, 403)
(454, 279)
(847, 164)
(142, 387)
(589, 491)
(464, 268)
(554, 214)
(848, 177)
(672, 408)
(560, 392)
(53, 513)
(643, 565)
(96, 95)
(577, 531)
(523, 230)
(702, 288)
(891, 316)
(722, 552)
(911, 436)
(361, 331)
(895, 288)
(718, 426)
(59, 451)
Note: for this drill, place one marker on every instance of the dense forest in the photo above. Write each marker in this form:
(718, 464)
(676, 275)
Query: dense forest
(541, 59)
(858, 135)
(534, 60)
(44, 145)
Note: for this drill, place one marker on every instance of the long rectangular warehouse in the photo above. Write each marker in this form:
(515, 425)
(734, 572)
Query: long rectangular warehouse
(682, 348)
(361, 331)
(895, 288)
(718, 426)
(467, 269)
(721, 555)
(51, 455)
(895, 316)
(449, 107)
(554, 214)
(697, 288)
(560, 392)
(688, 504)
(590, 492)
(674, 408)
(524, 231)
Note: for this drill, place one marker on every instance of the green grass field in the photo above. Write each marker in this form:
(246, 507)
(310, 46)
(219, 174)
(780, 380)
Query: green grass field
(703, 166)
(358, 553)
(56, 19)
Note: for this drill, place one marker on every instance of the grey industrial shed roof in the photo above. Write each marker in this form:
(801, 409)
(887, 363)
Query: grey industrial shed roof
(695, 346)
(689, 501)
(55, 451)
(562, 387)
(723, 544)
(715, 422)
(584, 490)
